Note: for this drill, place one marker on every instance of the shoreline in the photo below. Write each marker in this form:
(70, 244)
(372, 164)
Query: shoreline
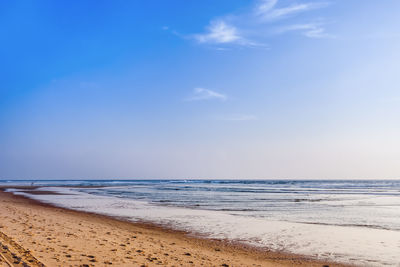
(202, 251)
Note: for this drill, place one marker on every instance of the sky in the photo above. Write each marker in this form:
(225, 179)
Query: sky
(174, 89)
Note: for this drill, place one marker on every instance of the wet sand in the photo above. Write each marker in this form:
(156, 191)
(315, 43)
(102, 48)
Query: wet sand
(37, 234)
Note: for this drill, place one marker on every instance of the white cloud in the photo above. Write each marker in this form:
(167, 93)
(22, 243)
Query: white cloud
(278, 13)
(310, 30)
(206, 94)
(218, 32)
(253, 28)
(265, 6)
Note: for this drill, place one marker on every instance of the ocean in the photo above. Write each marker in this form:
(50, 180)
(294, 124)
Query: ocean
(350, 221)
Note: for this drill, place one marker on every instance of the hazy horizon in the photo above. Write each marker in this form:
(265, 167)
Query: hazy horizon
(191, 179)
(262, 89)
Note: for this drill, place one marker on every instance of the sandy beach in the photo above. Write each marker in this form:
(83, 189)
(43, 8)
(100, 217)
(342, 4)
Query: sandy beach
(38, 234)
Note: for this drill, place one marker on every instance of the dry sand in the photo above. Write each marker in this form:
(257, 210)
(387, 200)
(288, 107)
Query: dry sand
(36, 234)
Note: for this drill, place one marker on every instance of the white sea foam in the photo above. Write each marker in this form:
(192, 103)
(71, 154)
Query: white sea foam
(356, 245)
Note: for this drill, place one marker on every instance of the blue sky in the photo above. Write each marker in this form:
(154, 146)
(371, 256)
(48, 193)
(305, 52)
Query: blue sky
(200, 89)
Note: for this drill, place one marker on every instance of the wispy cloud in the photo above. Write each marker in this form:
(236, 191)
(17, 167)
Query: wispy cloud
(311, 30)
(265, 6)
(219, 32)
(255, 27)
(200, 93)
(267, 11)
